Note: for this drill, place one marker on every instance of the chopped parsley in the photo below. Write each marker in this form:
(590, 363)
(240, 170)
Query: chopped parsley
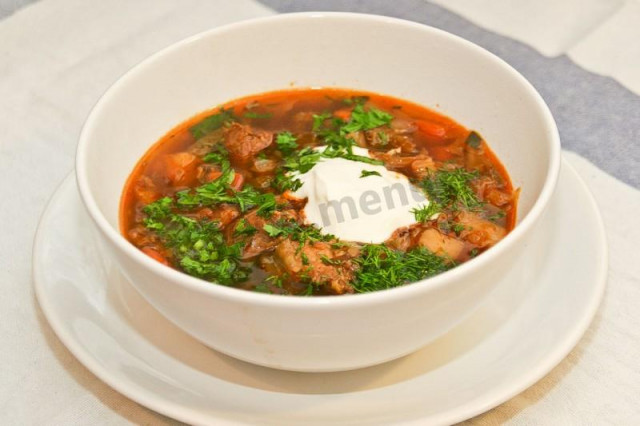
(219, 191)
(286, 142)
(198, 246)
(156, 212)
(458, 228)
(337, 144)
(337, 138)
(218, 155)
(283, 182)
(358, 100)
(263, 287)
(319, 119)
(367, 173)
(244, 228)
(273, 231)
(211, 123)
(362, 119)
(302, 161)
(258, 115)
(276, 280)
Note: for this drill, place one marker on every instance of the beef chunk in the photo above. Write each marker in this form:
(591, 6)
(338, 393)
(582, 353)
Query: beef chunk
(243, 142)
(319, 263)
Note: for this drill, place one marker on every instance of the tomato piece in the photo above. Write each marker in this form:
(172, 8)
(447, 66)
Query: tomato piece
(440, 153)
(432, 131)
(343, 114)
(156, 255)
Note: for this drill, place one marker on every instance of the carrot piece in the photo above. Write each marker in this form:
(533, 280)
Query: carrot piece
(212, 175)
(145, 190)
(180, 167)
(156, 255)
(440, 153)
(237, 182)
(343, 114)
(434, 132)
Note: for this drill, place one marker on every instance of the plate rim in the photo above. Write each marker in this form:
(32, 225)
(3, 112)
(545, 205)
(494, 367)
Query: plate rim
(478, 406)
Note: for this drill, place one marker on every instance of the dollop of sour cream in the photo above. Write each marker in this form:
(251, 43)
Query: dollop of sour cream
(355, 208)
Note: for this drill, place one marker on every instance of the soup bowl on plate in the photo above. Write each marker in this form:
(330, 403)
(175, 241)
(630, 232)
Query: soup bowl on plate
(372, 53)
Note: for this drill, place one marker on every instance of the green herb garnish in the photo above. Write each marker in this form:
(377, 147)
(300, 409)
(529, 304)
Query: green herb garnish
(283, 182)
(219, 191)
(335, 136)
(327, 261)
(302, 161)
(319, 119)
(497, 216)
(458, 228)
(367, 173)
(452, 189)
(286, 142)
(425, 213)
(244, 228)
(297, 232)
(358, 100)
(262, 287)
(258, 115)
(218, 155)
(273, 231)
(362, 119)
(211, 123)
(383, 138)
(277, 280)
(198, 247)
(157, 212)
(381, 267)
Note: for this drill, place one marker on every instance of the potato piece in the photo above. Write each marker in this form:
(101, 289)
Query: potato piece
(441, 244)
(180, 168)
(478, 231)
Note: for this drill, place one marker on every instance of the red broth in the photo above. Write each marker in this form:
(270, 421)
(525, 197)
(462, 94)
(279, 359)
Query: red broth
(214, 197)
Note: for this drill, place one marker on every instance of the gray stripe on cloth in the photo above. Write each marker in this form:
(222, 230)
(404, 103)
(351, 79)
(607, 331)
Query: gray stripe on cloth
(8, 7)
(597, 117)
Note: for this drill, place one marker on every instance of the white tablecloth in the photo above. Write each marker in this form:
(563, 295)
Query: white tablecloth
(57, 57)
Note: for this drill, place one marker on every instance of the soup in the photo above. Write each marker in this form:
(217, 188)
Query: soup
(317, 192)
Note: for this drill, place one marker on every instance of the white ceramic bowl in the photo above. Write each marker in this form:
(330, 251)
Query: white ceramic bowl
(373, 53)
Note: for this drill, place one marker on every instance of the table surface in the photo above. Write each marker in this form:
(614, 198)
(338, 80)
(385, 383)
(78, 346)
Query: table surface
(585, 63)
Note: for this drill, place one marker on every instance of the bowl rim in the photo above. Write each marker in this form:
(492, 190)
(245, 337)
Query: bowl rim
(315, 302)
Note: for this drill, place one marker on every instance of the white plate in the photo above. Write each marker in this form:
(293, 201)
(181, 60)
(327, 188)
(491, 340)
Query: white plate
(512, 341)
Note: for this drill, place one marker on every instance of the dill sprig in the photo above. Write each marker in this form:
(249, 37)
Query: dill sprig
(426, 213)
(452, 189)
(381, 267)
